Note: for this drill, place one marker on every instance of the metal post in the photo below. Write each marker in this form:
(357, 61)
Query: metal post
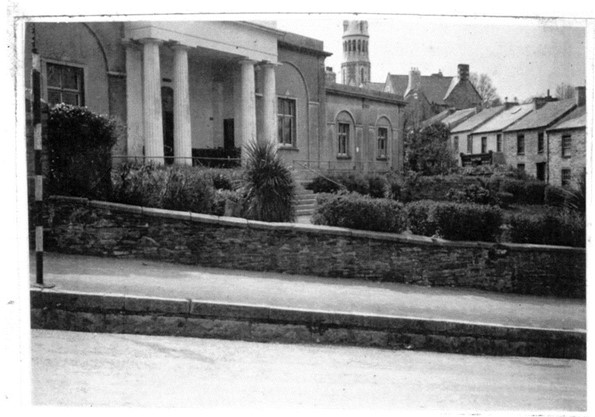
(37, 146)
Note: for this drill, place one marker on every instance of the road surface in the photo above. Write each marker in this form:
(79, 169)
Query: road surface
(117, 370)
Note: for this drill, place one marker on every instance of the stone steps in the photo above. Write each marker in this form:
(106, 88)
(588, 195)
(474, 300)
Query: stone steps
(305, 199)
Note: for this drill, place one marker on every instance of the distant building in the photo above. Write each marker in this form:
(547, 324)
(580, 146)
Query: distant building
(430, 95)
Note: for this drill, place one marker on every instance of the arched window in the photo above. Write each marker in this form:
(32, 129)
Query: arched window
(344, 46)
(359, 45)
(365, 46)
(344, 134)
(361, 27)
(383, 137)
(362, 75)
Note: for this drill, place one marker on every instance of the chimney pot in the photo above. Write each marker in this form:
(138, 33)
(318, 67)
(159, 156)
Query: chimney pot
(580, 96)
(463, 70)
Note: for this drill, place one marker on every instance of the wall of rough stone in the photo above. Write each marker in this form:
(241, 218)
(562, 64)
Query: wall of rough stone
(108, 229)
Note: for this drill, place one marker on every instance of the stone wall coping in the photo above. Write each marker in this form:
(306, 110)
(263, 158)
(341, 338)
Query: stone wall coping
(134, 304)
(317, 229)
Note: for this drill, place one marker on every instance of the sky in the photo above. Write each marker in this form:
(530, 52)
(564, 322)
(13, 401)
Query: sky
(523, 57)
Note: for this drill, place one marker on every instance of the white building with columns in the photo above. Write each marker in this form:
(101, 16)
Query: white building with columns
(186, 86)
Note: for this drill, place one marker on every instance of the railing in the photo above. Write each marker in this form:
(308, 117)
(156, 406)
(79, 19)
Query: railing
(200, 161)
(305, 165)
(341, 166)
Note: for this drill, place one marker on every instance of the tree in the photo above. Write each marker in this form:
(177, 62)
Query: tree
(485, 88)
(427, 150)
(564, 91)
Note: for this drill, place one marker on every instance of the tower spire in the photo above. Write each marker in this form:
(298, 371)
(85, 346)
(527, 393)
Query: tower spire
(355, 69)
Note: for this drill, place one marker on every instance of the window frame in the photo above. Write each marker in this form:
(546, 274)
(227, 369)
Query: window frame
(470, 145)
(520, 139)
(540, 142)
(499, 142)
(484, 144)
(455, 143)
(521, 167)
(379, 139)
(346, 136)
(281, 117)
(566, 145)
(80, 91)
(565, 179)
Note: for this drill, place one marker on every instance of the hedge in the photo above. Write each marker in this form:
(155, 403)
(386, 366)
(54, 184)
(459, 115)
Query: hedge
(562, 228)
(360, 212)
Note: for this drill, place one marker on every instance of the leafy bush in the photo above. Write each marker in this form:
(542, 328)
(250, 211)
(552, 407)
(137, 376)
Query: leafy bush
(534, 192)
(473, 193)
(554, 196)
(360, 212)
(563, 228)
(79, 151)
(270, 188)
(228, 203)
(187, 190)
(377, 186)
(137, 184)
(324, 184)
(173, 188)
(355, 182)
(474, 222)
(506, 199)
(514, 187)
(523, 191)
(418, 217)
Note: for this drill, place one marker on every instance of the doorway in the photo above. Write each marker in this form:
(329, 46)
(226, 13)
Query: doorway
(167, 106)
(228, 134)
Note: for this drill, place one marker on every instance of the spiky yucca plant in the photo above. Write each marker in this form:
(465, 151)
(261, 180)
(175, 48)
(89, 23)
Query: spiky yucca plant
(270, 188)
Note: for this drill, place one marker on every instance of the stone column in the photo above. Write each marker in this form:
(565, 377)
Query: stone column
(269, 104)
(152, 114)
(134, 100)
(248, 104)
(182, 123)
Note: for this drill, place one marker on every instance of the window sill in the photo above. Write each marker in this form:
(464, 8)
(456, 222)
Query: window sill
(343, 157)
(521, 154)
(381, 158)
(287, 148)
(566, 156)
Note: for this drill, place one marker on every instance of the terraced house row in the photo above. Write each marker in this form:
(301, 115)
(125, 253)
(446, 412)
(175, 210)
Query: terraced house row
(545, 138)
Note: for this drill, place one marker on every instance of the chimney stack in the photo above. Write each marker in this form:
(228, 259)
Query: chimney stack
(330, 76)
(580, 96)
(463, 72)
(414, 80)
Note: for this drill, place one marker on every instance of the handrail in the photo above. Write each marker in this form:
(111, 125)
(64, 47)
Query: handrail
(341, 186)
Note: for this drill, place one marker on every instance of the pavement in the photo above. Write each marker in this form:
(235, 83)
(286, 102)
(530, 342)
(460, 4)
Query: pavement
(157, 279)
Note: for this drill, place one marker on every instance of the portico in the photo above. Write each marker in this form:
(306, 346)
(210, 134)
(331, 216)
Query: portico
(211, 69)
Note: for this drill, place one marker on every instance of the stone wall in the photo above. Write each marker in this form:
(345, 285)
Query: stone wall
(108, 229)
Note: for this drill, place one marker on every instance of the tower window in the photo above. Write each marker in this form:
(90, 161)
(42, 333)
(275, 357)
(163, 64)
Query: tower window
(362, 76)
(359, 45)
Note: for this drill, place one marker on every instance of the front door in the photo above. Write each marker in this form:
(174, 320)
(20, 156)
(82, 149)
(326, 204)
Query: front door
(228, 134)
(167, 106)
(540, 168)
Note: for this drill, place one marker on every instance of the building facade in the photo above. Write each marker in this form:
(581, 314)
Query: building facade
(202, 85)
(363, 130)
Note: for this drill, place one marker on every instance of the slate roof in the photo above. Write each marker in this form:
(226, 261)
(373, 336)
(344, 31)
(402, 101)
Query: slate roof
(476, 120)
(352, 91)
(434, 87)
(458, 117)
(436, 118)
(544, 116)
(505, 119)
(574, 120)
(375, 86)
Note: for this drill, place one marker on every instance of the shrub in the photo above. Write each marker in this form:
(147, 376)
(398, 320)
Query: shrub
(187, 190)
(79, 151)
(418, 217)
(360, 212)
(563, 228)
(473, 222)
(137, 184)
(270, 188)
(534, 192)
(514, 187)
(228, 203)
(355, 182)
(324, 184)
(377, 186)
(506, 199)
(473, 193)
(554, 196)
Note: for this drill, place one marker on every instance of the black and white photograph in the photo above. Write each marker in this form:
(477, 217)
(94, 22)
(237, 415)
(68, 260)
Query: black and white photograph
(350, 210)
